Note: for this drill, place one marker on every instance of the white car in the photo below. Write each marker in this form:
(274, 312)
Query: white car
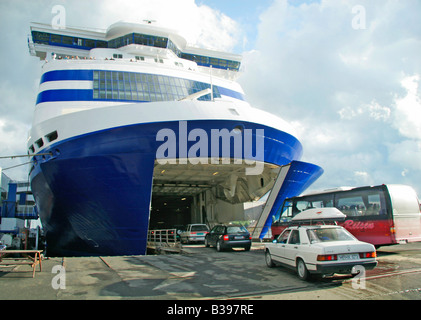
(320, 249)
(194, 233)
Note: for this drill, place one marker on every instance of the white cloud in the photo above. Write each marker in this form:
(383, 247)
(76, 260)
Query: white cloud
(13, 135)
(408, 109)
(347, 89)
(373, 111)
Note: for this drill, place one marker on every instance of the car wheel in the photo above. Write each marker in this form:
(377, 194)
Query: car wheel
(247, 248)
(302, 271)
(219, 246)
(207, 245)
(268, 259)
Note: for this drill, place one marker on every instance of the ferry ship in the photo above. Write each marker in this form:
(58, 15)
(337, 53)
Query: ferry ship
(134, 130)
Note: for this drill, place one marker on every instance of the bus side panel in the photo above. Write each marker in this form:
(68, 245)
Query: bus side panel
(376, 232)
(406, 213)
(408, 228)
(277, 229)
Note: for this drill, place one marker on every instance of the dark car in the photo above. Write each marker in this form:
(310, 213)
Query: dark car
(228, 236)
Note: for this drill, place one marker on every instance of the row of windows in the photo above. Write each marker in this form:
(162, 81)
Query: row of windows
(116, 85)
(351, 204)
(67, 41)
(136, 38)
(133, 38)
(52, 136)
(214, 62)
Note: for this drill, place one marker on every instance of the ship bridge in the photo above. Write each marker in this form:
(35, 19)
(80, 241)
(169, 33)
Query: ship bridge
(133, 38)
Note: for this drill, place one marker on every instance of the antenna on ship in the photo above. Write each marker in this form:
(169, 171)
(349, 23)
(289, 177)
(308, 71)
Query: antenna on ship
(149, 21)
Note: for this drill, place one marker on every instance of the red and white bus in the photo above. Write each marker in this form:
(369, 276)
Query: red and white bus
(380, 215)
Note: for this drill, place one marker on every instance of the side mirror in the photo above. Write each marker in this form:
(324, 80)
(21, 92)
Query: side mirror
(275, 241)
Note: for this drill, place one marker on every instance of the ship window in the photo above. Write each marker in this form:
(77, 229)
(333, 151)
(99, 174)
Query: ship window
(39, 143)
(140, 58)
(55, 38)
(89, 43)
(114, 85)
(117, 56)
(101, 44)
(67, 40)
(40, 37)
(52, 136)
(31, 149)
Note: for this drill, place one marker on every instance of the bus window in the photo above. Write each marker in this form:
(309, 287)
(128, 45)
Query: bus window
(292, 208)
(300, 206)
(376, 205)
(362, 205)
(351, 206)
(286, 212)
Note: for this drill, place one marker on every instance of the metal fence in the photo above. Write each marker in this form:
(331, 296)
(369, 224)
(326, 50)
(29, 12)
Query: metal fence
(168, 236)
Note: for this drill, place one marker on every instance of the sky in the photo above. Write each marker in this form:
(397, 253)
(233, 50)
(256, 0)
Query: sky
(345, 74)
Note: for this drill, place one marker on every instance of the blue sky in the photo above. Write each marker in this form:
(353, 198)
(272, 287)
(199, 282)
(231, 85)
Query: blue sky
(353, 94)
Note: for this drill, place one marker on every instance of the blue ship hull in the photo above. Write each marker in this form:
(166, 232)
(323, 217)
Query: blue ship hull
(94, 192)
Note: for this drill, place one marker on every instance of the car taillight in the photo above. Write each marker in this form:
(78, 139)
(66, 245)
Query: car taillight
(327, 257)
(226, 237)
(365, 255)
(250, 238)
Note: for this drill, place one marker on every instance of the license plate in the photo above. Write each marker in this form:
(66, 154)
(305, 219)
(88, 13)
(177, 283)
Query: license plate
(345, 257)
(200, 234)
(238, 237)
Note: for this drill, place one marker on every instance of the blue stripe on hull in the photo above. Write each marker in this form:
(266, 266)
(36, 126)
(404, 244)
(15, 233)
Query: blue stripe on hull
(67, 75)
(94, 194)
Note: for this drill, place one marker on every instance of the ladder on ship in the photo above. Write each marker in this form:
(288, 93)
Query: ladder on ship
(291, 181)
(270, 202)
